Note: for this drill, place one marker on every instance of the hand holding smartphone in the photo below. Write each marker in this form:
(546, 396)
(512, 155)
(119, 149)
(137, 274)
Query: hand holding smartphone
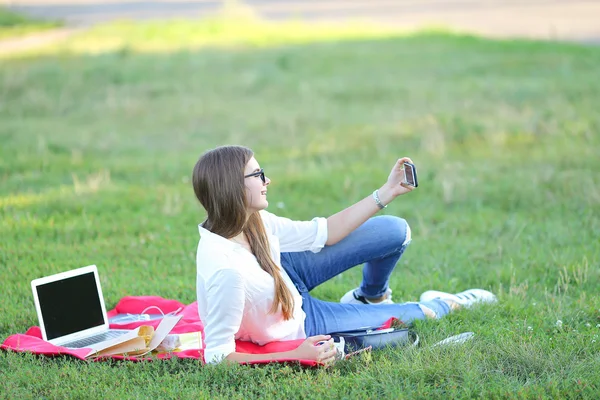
(410, 175)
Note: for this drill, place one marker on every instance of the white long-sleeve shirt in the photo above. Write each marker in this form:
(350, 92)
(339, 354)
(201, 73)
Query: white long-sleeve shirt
(235, 294)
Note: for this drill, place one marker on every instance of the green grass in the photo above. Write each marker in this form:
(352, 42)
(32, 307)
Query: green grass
(98, 143)
(14, 24)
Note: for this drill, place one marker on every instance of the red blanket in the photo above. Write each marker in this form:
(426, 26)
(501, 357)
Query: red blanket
(32, 340)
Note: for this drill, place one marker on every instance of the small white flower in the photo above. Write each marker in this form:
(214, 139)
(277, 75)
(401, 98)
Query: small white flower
(594, 341)
(598, 326)
(559, 323)
(281, 204)
(534, 304)
(588, 325)
(530, 329)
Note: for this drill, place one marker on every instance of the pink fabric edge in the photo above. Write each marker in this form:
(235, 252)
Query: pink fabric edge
(32, 341)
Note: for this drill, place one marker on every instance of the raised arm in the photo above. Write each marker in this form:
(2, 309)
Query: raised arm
(342, 223)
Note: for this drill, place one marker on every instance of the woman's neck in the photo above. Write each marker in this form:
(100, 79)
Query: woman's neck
(240, 238)
(242, 241)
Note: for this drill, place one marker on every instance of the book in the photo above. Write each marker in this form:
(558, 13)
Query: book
(137, 342)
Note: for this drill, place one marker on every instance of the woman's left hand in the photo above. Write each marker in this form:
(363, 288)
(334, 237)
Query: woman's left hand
(395, 185)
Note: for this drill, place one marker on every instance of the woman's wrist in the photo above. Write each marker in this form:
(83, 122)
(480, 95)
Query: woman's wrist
(292, 354)
(386, 195)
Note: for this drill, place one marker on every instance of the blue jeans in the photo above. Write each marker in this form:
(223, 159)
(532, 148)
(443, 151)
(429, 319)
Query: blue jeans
(379, 244)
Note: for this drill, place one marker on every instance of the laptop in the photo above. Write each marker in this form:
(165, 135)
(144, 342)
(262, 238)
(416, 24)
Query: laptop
(71, 310)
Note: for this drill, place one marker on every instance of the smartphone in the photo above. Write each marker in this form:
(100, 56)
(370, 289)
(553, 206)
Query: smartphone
(410, 175)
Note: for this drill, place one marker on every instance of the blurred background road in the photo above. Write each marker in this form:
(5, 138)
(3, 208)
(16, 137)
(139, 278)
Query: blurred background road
(543, 19)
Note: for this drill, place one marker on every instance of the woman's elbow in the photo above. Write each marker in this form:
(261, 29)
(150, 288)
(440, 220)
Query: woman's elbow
(331, 240)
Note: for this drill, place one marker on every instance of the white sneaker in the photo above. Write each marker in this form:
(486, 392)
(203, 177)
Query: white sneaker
(465, 299)
(353, 298)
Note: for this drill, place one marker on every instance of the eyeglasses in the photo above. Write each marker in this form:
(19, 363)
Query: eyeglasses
(260, 173)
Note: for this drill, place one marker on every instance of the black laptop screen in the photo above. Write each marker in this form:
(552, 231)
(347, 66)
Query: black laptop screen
(70, 305)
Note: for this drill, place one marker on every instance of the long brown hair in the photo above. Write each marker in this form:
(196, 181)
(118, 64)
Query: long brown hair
(218, 181)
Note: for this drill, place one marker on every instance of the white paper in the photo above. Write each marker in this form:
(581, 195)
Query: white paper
(161, 332)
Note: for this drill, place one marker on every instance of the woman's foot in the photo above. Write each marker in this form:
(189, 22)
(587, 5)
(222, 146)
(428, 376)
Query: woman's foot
(452, 304)
(352, 297)
(465, 299)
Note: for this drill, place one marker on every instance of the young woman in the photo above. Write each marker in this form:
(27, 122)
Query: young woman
(243, 291)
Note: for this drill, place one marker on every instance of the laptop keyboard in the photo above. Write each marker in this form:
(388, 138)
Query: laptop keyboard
(85, 342)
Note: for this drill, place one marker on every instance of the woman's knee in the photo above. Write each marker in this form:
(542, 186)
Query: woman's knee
(396, 229)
